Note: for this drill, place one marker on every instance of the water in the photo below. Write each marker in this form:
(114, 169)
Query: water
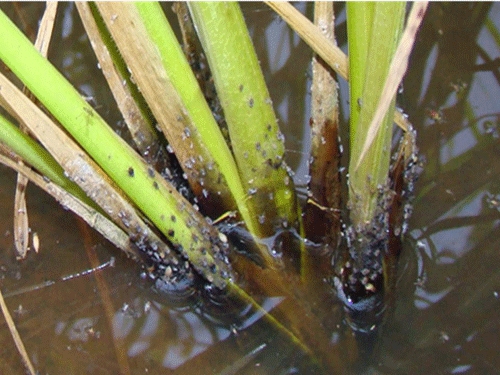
(446, 319)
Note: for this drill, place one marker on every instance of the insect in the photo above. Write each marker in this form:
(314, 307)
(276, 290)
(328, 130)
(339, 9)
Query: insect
(435, 115)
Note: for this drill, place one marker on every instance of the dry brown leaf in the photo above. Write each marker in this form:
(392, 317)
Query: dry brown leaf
(77, 165)
(21, 222)
(21, 225)
(95, 219)
(332, 55)
(142, 131)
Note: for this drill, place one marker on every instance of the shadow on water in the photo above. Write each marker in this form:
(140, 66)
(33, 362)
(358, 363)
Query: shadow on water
(447, 315)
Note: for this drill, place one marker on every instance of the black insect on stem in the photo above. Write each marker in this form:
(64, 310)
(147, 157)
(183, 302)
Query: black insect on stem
(88, 111)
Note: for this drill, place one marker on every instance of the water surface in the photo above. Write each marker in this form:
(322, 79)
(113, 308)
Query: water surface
(447, 315)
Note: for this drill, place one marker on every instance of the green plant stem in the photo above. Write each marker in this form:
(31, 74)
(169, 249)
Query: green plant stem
(191, 129)
(369, 66)
(212, 146)
(187, 230)
(362, 14)
(35, 155)
(257, 142)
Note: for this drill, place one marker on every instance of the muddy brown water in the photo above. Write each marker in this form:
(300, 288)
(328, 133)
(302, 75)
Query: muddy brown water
(447, 314)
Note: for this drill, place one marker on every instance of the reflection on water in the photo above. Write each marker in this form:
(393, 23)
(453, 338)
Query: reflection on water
(186, 332)
(447, 316)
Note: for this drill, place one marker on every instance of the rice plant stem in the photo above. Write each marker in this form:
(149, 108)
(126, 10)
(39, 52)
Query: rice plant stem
(369, 67)
(255, 136)
(157, 199)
